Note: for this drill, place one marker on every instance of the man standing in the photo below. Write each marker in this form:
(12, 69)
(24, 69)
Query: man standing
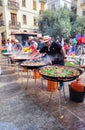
(55, 51)
(40, 41)
(9, 46)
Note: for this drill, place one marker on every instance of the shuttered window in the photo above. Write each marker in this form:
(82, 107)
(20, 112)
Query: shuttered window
(24, 3)
(24, 19)
(35, 21)
(42, 7)
(34, 4)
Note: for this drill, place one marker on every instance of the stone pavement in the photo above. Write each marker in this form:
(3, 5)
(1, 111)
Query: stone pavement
(28, 109)
(19, 109)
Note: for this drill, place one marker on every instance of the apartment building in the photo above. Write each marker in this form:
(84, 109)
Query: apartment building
(19, 15)
(81, 8)
(56, 4)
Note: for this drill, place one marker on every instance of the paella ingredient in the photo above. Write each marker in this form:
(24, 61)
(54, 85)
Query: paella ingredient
(68, 63)
(59, 71)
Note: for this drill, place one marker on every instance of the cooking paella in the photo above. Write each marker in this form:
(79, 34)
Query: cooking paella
(33, 63)
(60, 71)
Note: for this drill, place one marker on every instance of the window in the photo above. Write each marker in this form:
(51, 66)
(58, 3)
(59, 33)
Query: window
(42, 7)
(83, 12)
(34, 4)
(24, 19)
(35, 21)
(1, 16)
(23, 3)
(13, 19)
(53, 6)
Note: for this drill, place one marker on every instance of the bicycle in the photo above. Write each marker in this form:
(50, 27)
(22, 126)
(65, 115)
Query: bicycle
(81, 49)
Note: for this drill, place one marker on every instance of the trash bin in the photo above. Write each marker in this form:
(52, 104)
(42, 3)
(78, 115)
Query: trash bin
(75, 95)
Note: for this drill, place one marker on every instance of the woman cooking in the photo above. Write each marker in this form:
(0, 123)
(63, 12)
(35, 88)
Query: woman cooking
(55, 51)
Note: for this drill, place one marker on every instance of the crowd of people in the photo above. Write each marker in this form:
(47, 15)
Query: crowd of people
(44, 45)
(13, 45)
(75, 45)
(70, 45)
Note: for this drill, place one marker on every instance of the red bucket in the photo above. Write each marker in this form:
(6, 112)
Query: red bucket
(36, 74)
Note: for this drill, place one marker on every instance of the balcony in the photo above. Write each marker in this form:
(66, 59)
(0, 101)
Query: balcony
(14, 25)
(13, 5)
(1, 3)
(1, 23)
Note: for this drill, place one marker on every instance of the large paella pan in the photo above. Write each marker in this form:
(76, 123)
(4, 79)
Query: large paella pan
(33, 64)
(60, 73)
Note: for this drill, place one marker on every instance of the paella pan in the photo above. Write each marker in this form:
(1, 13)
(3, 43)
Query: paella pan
(60, 73)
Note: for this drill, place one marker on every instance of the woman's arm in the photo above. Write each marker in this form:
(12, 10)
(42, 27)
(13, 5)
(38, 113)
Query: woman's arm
(64, 54)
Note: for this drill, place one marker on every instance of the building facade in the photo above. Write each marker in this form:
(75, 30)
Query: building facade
(81, 8)
(56, 4)
(74, 6)
(19, 15)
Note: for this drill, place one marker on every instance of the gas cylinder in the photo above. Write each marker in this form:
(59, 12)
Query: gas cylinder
(52, 86)
(77, 85)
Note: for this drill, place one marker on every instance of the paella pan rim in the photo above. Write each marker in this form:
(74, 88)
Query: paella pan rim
(32, 67)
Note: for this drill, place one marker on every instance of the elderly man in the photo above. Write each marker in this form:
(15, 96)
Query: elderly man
(55, 51)
(17, 46)
(32, 44)
(9, 45)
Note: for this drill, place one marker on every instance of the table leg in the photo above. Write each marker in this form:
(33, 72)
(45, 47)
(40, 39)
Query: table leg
(27, 80)
(60, 113)
(50, 98)
(21, 77)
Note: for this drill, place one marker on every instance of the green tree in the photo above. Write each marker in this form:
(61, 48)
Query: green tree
(64, 20)
(55, 23)
(73, 18)
(79, 25)
(46, 22)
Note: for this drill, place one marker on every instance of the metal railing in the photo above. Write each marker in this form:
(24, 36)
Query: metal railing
(13, 5)
(13, 24)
